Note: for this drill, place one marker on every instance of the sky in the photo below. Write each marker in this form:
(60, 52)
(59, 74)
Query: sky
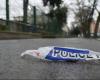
(16, 8)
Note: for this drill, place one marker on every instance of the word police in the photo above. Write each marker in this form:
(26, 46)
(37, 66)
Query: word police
(65, 54)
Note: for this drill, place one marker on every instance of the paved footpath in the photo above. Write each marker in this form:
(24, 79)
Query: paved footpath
(12, 66)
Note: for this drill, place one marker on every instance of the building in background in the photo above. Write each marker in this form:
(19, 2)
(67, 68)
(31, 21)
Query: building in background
(92, 28)
(41, 21)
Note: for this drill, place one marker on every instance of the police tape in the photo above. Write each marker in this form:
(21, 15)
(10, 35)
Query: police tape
(62, 53)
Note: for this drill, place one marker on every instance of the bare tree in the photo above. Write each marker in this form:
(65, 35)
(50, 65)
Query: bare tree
(85, 15)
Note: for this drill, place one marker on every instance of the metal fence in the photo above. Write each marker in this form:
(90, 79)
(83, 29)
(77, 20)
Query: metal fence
(15, 26)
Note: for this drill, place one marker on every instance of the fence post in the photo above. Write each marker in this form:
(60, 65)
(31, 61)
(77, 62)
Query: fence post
(25, 13)
(34, 19)
(7, 14)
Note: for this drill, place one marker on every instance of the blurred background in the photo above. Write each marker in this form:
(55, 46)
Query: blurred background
(50, 18)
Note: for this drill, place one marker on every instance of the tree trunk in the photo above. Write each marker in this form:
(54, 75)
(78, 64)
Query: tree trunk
(97, 26)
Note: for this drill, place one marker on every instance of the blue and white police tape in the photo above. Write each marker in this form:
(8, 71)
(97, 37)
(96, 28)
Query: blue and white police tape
(62, 54)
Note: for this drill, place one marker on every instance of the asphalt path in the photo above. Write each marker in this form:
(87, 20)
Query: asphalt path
(12, 66)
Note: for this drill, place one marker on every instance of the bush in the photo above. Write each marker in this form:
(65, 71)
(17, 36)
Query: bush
(3, 28)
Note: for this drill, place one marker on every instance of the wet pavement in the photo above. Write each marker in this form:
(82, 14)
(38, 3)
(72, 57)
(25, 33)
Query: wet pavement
(12, 66)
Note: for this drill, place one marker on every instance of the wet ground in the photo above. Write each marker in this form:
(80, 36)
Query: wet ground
(12, 66)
